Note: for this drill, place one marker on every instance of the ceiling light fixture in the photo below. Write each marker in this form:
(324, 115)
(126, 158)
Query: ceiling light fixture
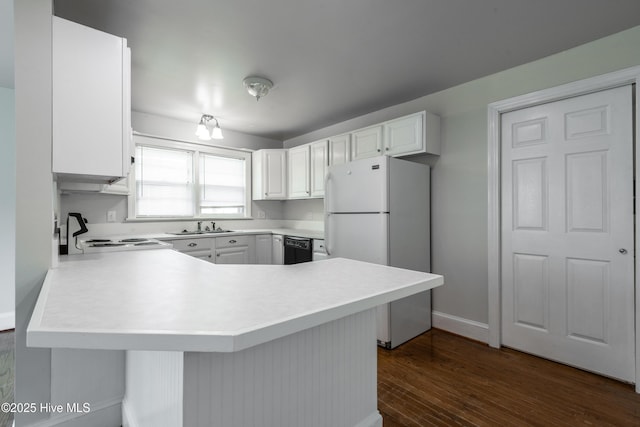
(257, 86)
(202, 132)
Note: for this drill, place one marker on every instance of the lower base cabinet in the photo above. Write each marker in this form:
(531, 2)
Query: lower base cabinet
(198, 248)
(277, 255)
(235, 255)
(235, 250)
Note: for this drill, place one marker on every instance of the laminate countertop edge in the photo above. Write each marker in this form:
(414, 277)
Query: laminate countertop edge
(167, 301)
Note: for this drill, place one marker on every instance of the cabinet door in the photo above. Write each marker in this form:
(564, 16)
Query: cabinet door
(203, 255)
(366, 143)
(298, 164)
(263, 249)
(339, 149)
(119, 187)
(405, 135)
(319, 163)
(90, 97)
(269, 170)
(278, 250)
(235, 255)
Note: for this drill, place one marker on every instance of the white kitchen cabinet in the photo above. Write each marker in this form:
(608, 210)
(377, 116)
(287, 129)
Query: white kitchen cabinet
(199, 247)
(235, 250)
(264, 247)
(278, 250)
(298, 171)
(118, 187)
(413, 134)
(339, 149)
(366, 142)
(91, 74)
(269, 174)
(235, 255)
(319, 163)
(319, 250)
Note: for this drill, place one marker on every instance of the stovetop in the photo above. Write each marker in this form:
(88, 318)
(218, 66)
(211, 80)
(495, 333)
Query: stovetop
(124, 244)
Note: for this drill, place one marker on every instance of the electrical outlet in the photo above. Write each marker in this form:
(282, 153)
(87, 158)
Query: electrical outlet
(111, 216)
(262, 215)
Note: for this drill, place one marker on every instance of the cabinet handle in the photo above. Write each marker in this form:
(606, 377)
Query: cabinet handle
(217, 254)
(192, 245)
(387, 148)
(232, 241)
(209, 256)
(378, 150)
(265, 194)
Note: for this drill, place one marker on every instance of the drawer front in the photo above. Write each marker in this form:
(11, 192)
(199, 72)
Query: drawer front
(190, 245)
(232, 241)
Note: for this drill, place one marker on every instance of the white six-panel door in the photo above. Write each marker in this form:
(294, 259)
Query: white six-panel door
(567, 232)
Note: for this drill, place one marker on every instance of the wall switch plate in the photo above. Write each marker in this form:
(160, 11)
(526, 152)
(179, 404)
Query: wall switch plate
(111, 216)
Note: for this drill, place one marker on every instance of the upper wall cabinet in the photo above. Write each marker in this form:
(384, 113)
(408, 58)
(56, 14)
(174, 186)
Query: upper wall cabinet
(366, 142)
(339, 149)
(269, 174)
(319, 162)
(413, 134)
(298, 162)
(91, 103)
(417, 133)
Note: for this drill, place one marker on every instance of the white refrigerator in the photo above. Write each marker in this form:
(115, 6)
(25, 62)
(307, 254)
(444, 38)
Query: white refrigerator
(377, 210)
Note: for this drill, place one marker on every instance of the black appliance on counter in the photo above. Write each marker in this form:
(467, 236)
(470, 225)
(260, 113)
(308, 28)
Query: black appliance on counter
(297, 250)
(76, 225)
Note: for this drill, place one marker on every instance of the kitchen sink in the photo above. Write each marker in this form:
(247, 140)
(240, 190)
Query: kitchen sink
(189, 233)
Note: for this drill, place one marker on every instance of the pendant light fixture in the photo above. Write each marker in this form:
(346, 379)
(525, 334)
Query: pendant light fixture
(202, 131)
(257, 86)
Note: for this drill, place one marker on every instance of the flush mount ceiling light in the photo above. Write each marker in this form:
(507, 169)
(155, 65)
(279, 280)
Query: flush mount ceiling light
(257, 86)
(202, 132)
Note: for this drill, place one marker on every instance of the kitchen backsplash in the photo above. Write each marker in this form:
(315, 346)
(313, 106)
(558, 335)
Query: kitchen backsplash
(300, 214)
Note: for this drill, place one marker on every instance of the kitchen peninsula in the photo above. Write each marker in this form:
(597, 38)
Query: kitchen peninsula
(228, 345)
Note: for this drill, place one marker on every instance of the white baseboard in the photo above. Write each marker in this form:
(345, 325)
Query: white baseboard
(7, 320)
(373, 420)
(128, 419)
(461, 326)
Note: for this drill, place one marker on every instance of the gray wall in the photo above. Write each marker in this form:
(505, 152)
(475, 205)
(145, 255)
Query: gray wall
(34, 204)
(7, 208)
(185, 131)
(70, 375)
(459, 177)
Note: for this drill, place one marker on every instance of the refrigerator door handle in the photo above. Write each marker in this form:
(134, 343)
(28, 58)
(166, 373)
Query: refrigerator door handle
(327, 192)
(327, 240)
(327, 210)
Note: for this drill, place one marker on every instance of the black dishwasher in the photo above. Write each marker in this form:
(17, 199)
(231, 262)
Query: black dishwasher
(297, 250)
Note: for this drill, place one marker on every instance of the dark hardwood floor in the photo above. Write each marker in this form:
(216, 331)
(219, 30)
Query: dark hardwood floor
(6, 373)
(441, 379)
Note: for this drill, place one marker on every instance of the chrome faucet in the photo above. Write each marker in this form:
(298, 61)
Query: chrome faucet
(213, 226)
(199, 225)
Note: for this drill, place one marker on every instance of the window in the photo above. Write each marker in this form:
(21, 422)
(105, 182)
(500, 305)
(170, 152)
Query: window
(222, 185)
(164, 182)
(183, 180)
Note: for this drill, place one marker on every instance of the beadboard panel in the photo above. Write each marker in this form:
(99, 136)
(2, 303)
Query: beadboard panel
(323, 376)
(153, 389)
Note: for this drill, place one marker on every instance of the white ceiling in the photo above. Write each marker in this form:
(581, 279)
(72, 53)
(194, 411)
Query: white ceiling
(330, 60)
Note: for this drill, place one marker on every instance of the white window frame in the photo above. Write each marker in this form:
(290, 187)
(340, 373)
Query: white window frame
(196, 149)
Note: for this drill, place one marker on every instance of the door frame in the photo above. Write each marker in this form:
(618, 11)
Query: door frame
(494, 111)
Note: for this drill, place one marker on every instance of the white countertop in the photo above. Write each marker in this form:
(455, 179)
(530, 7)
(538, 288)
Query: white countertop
(312, 234)
(165, 300)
